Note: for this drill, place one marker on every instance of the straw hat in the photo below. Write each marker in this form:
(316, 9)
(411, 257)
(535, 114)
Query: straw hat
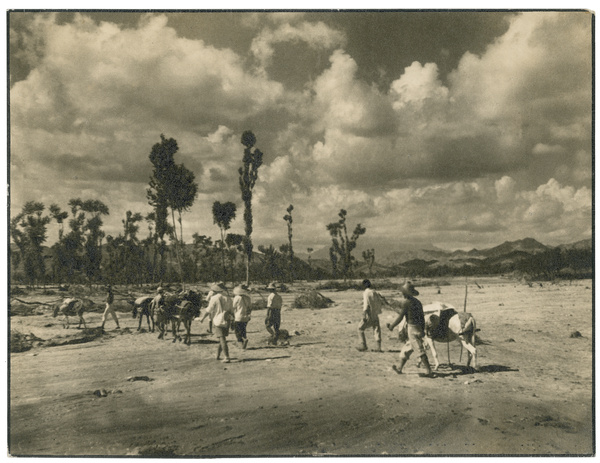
(217, 287)
(241, 290)
(272, 287)
(160, 289)
(409, 290)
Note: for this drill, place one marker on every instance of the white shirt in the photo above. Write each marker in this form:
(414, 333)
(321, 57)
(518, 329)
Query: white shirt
(219, 303)
(371, 300)
(241, 304)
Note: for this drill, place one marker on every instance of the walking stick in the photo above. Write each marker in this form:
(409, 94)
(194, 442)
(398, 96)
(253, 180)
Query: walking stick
(464, 310)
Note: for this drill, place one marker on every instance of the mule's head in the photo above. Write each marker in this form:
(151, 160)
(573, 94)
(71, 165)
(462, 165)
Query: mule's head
(55, 310)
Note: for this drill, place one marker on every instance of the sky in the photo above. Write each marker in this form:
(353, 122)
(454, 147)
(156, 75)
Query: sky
(454, 129)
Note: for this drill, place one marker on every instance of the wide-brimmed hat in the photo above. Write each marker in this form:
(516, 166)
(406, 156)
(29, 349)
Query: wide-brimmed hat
(409, 290)
(241, 290)
(217, 287)
(160, 289)
(272, 287)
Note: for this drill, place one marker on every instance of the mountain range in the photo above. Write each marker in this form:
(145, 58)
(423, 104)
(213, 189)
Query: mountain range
(429, 253)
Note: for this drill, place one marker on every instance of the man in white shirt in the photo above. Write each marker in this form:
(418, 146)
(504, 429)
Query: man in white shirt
(242, 310)
(370, 317)
(220, 309)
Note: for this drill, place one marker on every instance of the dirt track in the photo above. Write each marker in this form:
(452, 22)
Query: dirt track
(128, 393)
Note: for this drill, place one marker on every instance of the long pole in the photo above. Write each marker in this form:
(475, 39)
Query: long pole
(466, 290)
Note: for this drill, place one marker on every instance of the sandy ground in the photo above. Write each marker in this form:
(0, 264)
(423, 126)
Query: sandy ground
(129, 393)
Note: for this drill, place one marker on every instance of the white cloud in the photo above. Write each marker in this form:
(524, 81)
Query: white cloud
(315, 35)
(422, 159)
(417, 85)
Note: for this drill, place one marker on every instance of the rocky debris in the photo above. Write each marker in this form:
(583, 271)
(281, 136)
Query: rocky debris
(139, 378)
(312, 300)
(20, 342)
(575, 334)
(510, 340)
(158, 450)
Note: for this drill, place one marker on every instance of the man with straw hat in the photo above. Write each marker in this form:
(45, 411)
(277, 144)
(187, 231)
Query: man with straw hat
(273, 318)
(242, 309)
(220, 309)
(371, 309)
(412, 309)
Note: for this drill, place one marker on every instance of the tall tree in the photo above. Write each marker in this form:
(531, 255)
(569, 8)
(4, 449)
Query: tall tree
(58, 248)
(248, 173)
(288, 219)
(161, 157)
(88, 222)
(342, 244)
(182, 192)
(28, 231)
(171, 186)
(234, 245)
(132, 251)
(223, 215)
(59, 215)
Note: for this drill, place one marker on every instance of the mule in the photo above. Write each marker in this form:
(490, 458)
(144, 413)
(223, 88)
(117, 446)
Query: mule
(177, 309)
(73, 307)
(143, 306)
(188, 309)
(444, 324)
(167, 312)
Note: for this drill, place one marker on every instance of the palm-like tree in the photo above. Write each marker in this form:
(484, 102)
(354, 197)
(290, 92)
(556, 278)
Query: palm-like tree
(223, 215)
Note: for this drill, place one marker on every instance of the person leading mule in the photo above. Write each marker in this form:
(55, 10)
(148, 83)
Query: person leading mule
(412, 309)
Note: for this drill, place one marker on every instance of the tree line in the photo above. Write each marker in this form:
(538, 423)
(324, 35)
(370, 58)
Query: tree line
(84, 254)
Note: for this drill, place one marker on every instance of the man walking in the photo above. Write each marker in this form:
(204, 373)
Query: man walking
(412, 309)
(273, 318)
(242, 309)
(220, 310)
(370, 317)
(110, 297)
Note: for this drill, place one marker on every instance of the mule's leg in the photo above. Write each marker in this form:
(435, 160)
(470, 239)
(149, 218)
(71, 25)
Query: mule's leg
(161, 327)
(472, 352)
(174, 329)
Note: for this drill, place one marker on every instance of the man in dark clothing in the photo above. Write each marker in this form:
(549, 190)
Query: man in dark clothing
(412, 309)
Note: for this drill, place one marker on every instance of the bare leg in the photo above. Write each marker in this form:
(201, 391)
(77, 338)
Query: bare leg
(223, 346)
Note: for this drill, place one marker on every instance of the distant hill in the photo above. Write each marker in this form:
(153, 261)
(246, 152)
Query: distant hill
(581, 245)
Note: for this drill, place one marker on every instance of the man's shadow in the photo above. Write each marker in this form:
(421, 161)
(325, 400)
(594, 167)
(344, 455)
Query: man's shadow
(445, 370)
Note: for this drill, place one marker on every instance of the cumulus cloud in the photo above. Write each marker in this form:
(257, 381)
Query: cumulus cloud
(315, 35)
(499, 147)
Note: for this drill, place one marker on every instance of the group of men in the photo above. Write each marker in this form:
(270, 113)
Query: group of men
(225, 313)
(411, 309)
